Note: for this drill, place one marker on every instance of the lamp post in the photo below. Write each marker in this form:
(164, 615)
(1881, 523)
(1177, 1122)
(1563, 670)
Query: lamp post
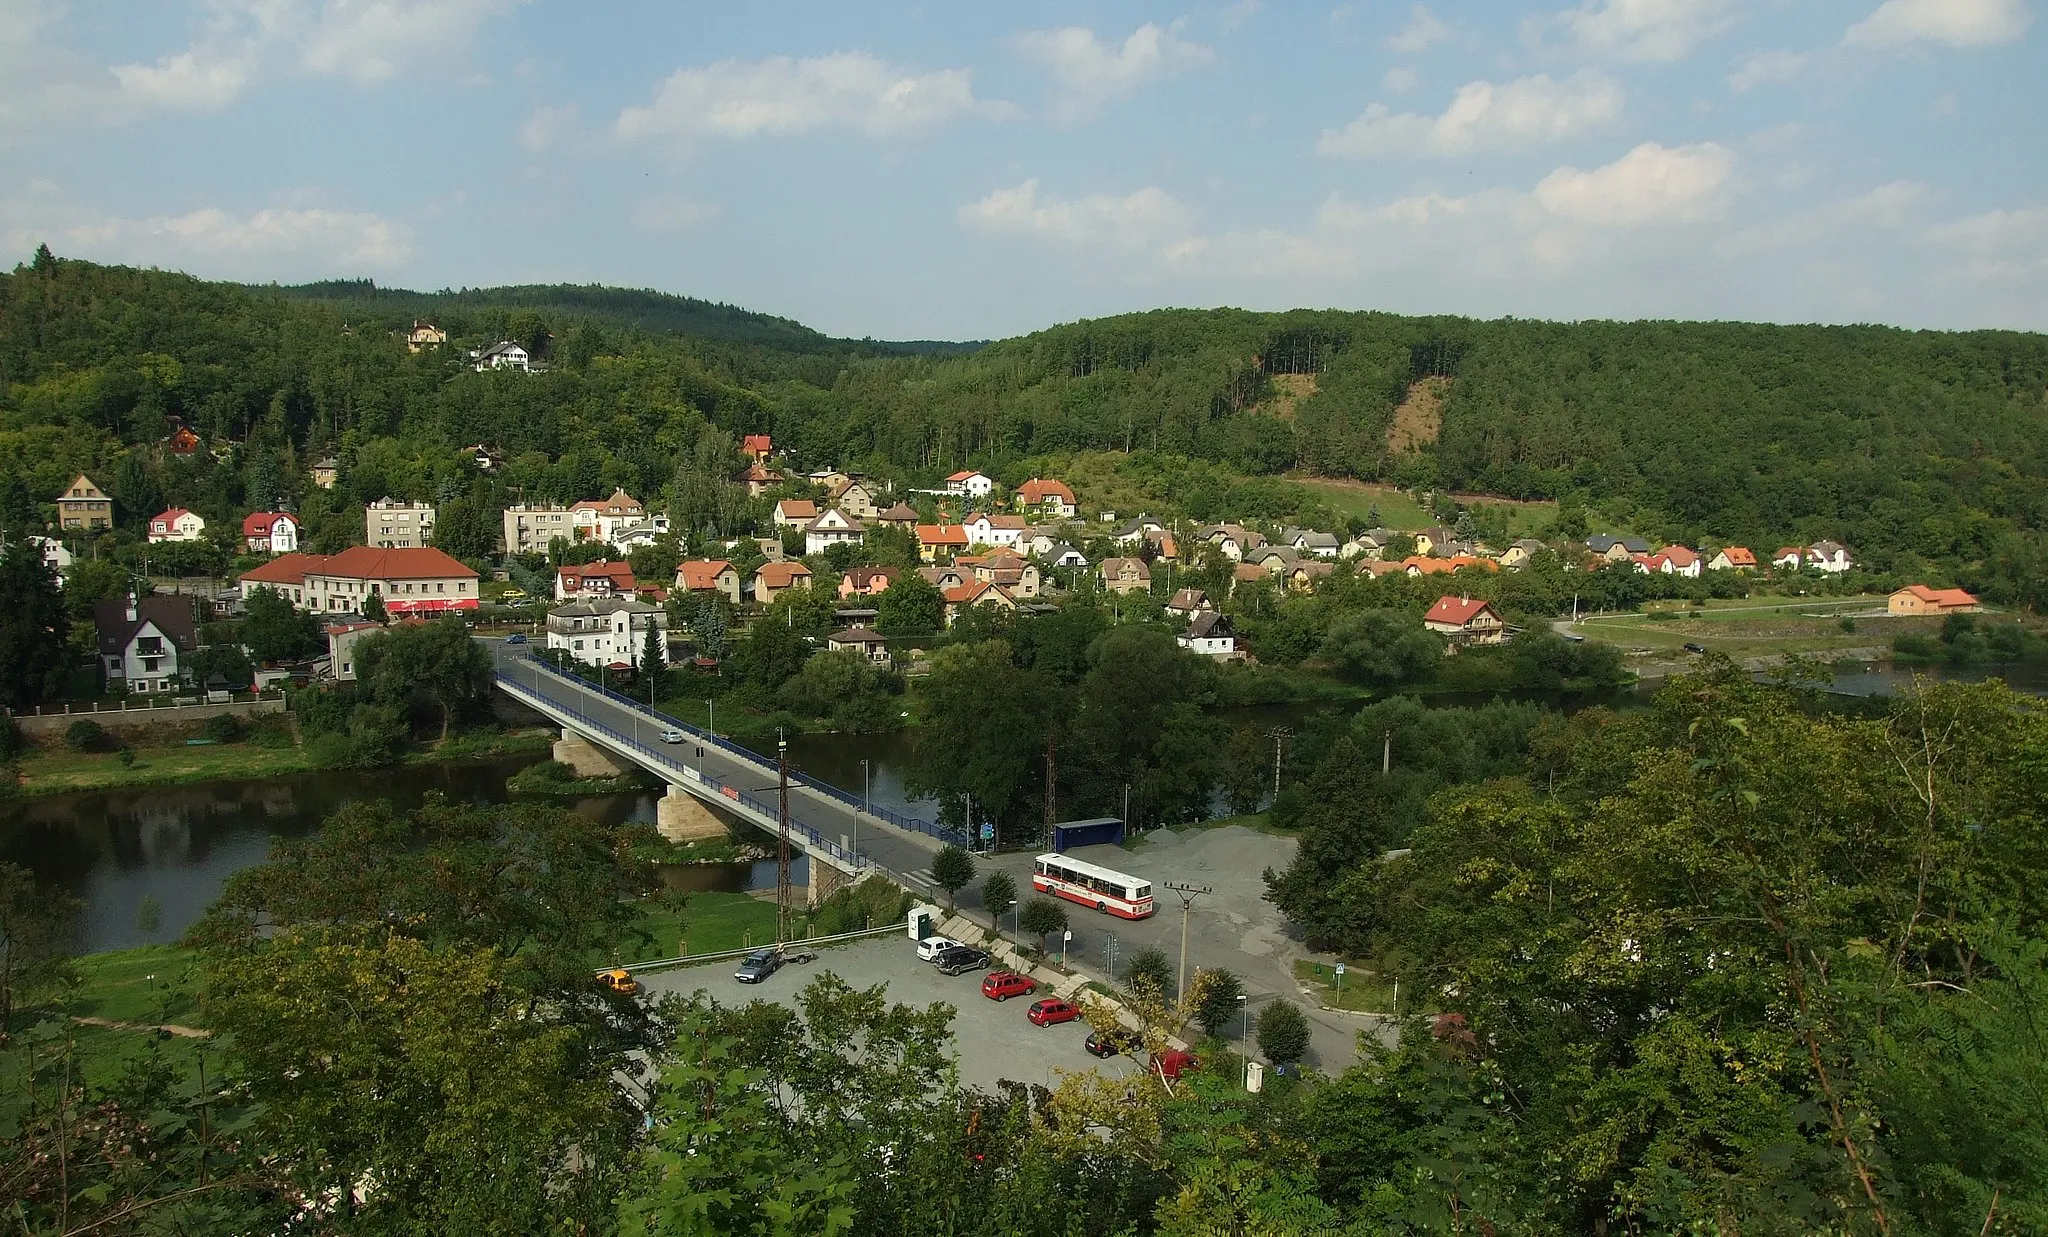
(854, 842)
(711, 707)
(1244, 1018)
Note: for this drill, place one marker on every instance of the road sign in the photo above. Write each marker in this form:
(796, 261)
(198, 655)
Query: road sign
(988, 831)
(1340, 968)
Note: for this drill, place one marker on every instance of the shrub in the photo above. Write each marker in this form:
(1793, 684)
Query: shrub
(328, 751)
(1848, 624)
(224, 728)
(10, 738)
(85, 735)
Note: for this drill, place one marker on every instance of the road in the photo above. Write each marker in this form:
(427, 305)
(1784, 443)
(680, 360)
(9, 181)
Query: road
(900, 852)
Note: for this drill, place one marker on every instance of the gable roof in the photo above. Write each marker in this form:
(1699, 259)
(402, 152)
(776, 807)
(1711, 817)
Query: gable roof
(169, 516)
(284, 569)
(1739, 556)
(756, 442)
(620, 503)
(865, 577)
(856, 635)
(1208, 624)
(701, 572)
(826, 522)
(901, 513)
(1112, 567)
(761, 473)
(784, 574)
(171, 615)
(1457, 610)
(941, 534)
(259, 523)
(965, 473)
(1038, 489)
(575, 575)
(796, 509)
(1943, 597)
(1677, 555)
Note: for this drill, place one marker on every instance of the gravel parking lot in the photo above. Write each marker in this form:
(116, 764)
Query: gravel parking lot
(991, 1039)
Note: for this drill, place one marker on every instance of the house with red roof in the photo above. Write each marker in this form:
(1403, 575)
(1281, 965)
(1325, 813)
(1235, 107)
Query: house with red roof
(709, 575)
(594, 581)
(1465, 620)
(795, 513)
(867, 581)
(408, 580)
(176, 524)
(1672, 560)
(1732, 558)
(771, 580)
(996, 531)
(1789, 557)
(759, 479)
(1919, 599)
(760, 446)
(270, 532)
(936, 539)
(1047, 497)
(975, 593)
(970, 483)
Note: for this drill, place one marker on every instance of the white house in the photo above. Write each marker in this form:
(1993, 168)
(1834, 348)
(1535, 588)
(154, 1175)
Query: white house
(1047, 497)
(502, 355)
(996, 531)
(832, 528)
(601, 520)
(176, 524)
(1672, 560)
(609, 632)
(55, 556)
(1310, 542)
(271, 532)
(390, 524)
(1064, 556)
(140, 640)
(1829, 556)
(1209, 634)
(970, 483)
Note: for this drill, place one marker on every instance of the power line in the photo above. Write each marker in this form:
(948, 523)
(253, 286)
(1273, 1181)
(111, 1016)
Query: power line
(1188, 894)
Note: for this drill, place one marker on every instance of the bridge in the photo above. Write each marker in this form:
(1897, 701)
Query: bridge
(712, 780)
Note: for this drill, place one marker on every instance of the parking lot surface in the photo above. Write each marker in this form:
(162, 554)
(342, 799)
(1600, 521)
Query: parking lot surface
(991, 1039)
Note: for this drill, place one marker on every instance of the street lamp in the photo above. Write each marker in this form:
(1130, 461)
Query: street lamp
(711, 706)
(855, 842)
(1244, 1018)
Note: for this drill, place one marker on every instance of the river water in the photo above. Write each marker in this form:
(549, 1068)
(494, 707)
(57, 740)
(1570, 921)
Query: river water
(177, 845)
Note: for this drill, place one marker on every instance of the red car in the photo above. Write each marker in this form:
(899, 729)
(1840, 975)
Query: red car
(1002, 985)
(1176, 1063)
(1052, 1010)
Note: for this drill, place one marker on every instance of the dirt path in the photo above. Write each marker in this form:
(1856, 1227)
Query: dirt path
(169, 1028)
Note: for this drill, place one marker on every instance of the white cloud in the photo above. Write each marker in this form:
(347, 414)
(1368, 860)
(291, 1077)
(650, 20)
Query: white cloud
(1149, 216)
(780, 95)
(1954, 23)
(1238, 14)
(2000, 245)
(282, 243)
(1400, 80)
(548, 127)
(1650, 184)
(1530, 110)
(1642, 30)
(1761, 68)
(369, 41)
(189, 80)
(1422, 29)
(1091, 72)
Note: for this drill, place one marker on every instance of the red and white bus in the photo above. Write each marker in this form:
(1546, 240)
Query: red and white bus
(1105, 889)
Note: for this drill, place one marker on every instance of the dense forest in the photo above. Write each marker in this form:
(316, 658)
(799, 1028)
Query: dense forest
(1924, 451)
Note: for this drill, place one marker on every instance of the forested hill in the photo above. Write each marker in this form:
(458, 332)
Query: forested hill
(643, 309)
(1924, 451)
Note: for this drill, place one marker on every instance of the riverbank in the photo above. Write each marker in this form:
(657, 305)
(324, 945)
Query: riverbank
(56, 771)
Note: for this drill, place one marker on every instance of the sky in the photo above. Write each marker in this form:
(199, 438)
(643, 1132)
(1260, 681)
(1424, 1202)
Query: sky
(962, 171)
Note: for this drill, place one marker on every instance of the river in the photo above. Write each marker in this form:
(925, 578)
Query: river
(177, 845)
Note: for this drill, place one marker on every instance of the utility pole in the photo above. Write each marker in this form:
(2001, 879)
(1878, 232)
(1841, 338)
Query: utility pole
(782, 841)
(1386, 753)
(1049, 742)
(1279, 734)
(1188, 894)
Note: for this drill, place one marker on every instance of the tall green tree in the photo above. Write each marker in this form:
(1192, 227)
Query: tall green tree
(34, 628)
(909, 607)
(274, 629)
(436, 660)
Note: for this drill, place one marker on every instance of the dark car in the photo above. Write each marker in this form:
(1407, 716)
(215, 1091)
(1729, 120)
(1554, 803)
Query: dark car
(1691, 647)
(961, 959)
(515, 639)
(1111, 1043)
(758, 966)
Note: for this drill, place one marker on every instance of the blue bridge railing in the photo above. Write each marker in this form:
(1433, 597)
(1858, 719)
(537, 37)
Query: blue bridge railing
(901, 820)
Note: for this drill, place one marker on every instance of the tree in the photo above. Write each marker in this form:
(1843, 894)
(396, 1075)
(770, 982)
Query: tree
(373, 609)
(275, 630)
(1219, 996)
(653, 660)
(1247, 770)
(467, 527)
(768, 655)
(1283, 1032)
(1149, 970)
(36, 926)
(227, 662)
(1382, 648)
(983, 735)
(1041, 917)
(34, 626)
(952, 870)
(437, 660)
(998, 890)
(909, 607)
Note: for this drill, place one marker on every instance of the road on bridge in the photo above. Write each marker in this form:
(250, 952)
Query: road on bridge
(903, 853)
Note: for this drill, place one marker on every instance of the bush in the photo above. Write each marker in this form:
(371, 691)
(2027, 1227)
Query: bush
(1848, 625)
(328, 751)
(11, 741)
(876, 900)
(85, 735)
(1218, 997)
(224, 728)
(1149, 970)
(1283, 1033)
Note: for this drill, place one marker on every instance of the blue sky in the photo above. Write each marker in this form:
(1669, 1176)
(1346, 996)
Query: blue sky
(960, 171)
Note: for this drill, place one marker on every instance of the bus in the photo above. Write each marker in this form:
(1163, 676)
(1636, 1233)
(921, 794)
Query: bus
(1105, 889)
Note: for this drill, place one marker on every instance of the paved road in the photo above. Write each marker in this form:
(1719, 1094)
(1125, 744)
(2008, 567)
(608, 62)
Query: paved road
(900, 851)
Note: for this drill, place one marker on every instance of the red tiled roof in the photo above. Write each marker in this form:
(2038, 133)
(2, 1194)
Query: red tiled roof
(756, 442)
(1037, 489)
(1943, 597)
(361, 562)
(941, 534)
(1457, 611)
(170, 516)
(963, 474)
(780, 575)
(797, 509)
(1739, 556)
(620, 574)
(285, 569)
(701, 572)
(760, 472)
(259, 523)
(1678, 555)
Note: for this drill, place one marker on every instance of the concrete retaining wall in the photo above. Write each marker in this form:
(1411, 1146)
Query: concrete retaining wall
(46, 724)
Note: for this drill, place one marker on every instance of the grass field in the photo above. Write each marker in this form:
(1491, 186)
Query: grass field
(1755, 627)
(1400, 512)
(1363, 991)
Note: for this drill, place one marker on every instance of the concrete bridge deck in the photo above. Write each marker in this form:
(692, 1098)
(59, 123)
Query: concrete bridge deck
(828, 824)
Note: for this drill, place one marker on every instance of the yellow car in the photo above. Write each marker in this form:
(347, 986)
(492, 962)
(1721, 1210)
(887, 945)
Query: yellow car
(619, 980)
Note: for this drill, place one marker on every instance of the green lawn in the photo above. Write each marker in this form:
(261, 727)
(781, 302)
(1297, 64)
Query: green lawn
(59, 770)
(1397, 509)
(1362, 991)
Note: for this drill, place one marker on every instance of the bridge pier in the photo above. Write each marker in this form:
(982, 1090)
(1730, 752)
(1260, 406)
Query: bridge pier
(587, 758)
(682, 817)
(826, 877)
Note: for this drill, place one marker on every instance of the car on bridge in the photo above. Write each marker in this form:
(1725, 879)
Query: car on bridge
(1052, 1011)
(671, 735)
(758, 966)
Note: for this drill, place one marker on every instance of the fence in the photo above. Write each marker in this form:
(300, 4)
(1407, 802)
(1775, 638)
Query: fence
(808, 835)
(900, 820)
